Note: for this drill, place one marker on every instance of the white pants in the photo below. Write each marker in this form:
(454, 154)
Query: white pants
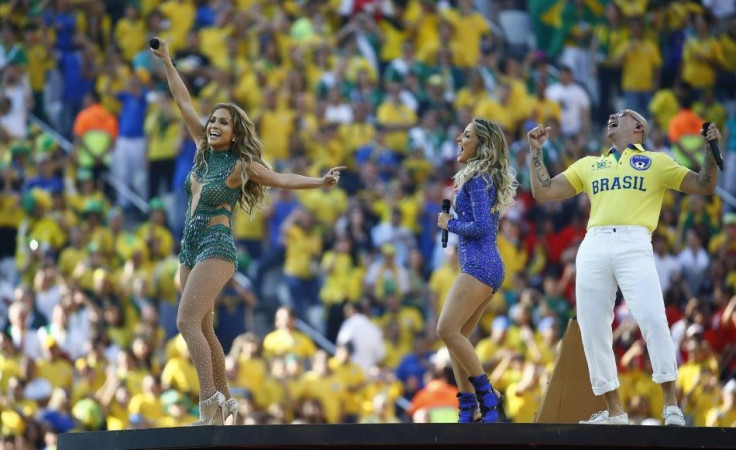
(129, 166)
(620, 255)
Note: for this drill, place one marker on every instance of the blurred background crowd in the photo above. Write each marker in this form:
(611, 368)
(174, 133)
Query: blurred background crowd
(331, 316)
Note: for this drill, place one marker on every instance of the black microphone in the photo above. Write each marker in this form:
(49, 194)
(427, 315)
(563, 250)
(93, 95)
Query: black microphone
(154, 43)
(445, 209)
(713, 147)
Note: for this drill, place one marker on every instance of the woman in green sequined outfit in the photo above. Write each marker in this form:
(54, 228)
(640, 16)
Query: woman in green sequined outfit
(228, 169)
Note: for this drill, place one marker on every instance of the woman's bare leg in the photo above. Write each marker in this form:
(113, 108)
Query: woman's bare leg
(464, 300)
(461, 375)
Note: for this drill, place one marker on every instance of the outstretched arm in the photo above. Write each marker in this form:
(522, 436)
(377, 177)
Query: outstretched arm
(260, 174)
(480, 211)
(179, 92)
(544, 188)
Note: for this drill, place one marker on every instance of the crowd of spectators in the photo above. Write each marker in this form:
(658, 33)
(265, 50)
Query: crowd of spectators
(88, 285)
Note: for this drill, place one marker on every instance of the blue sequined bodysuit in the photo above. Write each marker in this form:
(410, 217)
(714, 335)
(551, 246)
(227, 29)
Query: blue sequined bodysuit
(202, 240)
(477, 230)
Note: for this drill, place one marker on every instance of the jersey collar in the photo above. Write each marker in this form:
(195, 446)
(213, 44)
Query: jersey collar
(637, 147)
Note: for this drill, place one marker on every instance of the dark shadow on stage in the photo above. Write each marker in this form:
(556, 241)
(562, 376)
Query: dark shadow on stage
(404, 436)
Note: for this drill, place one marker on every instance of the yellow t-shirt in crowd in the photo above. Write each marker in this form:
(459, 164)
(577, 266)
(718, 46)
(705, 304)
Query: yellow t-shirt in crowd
(251, 373)
(728, 47)
(468, 32)
(276, 129)
(181, 16)
(326, 205)
(130, 36)
(393, 38)
(338, 282)
(249, 228)
(352, 377)
(356, 135)
(179, 373)
(162, 235)
(391, 114)
(302, 248)
(515, 257)
(522, 406)
(147, 405)
(410, 322)
(441, 281)
(627, 192)
(39, 62)
(59, 373)
(639, 65)
(282, 342)
(664, 107)
(492, 110)
(329, 390)
(163, 135)
(426, 22)
(213, 41)
(700, 58)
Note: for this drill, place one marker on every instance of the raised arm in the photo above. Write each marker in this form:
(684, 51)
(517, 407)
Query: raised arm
(264, 176)
(179, 92)
(480, 206)
(544, 188)
(703, 182)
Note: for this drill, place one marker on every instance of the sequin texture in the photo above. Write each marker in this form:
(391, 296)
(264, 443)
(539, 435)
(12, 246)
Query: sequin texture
(200, 240)
(477, 230)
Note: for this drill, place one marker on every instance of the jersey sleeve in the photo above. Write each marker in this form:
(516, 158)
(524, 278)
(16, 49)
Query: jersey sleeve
(480, 205)
(575, 174)
(671, 173)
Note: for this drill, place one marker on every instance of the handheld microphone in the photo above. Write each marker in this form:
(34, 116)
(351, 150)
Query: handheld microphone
(445, 209)
(154, 43)
(714, 147)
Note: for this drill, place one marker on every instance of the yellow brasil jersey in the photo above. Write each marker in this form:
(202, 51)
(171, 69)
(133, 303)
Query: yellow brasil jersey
(628, 191)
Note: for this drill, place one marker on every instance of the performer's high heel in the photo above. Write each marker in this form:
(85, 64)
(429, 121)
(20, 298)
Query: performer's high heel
(212, 410)
(467, 405)
(232, 409)
(487, 399)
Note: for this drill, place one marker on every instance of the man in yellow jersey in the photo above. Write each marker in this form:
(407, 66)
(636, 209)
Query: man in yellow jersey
(625, 186)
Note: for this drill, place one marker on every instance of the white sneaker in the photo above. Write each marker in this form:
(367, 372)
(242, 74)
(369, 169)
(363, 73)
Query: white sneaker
(602, 418)
(673, 416)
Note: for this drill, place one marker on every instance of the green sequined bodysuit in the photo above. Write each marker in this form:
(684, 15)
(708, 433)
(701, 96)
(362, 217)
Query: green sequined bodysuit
(202, 240)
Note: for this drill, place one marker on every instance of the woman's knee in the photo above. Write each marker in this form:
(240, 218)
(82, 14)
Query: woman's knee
(446, 332)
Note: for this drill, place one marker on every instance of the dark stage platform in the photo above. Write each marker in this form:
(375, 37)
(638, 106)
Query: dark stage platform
(405, 436)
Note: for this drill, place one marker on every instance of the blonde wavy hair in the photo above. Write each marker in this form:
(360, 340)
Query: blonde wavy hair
(247, 147)
(491, 158)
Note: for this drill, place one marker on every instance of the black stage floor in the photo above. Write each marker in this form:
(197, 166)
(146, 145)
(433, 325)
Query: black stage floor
(405, 436)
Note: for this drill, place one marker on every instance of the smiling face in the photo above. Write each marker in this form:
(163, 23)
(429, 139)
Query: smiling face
(220, 130)
(467, 144)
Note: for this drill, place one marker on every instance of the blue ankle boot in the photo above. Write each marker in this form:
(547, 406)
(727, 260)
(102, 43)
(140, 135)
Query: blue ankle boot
(487, 398)
(467, 404)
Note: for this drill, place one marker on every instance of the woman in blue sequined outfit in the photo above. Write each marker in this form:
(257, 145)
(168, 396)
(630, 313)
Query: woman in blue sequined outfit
(484, 188)
(228, 170)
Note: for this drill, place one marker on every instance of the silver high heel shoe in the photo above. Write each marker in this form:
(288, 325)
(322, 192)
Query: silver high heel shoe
(232, 407)
(212, 410)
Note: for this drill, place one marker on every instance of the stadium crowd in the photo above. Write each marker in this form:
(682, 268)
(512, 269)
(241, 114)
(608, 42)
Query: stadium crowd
(88, 285)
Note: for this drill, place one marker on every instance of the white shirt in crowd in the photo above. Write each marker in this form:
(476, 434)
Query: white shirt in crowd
(366, 338)
(574, 102)
(667, 266)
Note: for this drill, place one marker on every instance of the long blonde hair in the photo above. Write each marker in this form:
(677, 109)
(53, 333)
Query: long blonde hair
(247, 147)
(491, 158)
